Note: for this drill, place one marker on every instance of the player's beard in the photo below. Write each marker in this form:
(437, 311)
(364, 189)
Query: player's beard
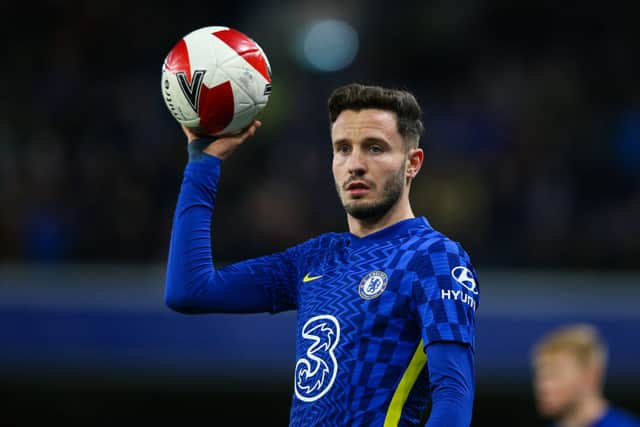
(371, 210)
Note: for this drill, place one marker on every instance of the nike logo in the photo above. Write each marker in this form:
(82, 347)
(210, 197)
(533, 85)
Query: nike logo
(308, 278)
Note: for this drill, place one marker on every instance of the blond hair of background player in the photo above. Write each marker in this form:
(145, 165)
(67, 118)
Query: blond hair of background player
(569, 367)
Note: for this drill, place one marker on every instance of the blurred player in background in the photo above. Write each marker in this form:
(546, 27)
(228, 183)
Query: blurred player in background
(386, 311)
(569, 366)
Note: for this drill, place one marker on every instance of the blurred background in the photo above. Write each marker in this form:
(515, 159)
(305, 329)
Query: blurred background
(532, 114)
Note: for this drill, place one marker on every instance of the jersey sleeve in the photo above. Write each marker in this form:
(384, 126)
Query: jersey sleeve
(193, 284)
(446, 293)
(451, 383)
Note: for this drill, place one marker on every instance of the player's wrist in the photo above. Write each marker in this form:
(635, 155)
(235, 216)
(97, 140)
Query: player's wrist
(203, 168)
(198, 148)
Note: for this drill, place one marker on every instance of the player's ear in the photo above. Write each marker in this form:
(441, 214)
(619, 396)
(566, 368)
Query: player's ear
(415, 157)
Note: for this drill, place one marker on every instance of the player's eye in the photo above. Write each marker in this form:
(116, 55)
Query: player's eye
(375, 149)
(343, 149)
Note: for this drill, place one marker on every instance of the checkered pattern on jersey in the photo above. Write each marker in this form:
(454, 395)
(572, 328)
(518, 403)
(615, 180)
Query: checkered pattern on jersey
(393, 326)
(390, 332)
(418, 401)
(443, 318)
(378, 336)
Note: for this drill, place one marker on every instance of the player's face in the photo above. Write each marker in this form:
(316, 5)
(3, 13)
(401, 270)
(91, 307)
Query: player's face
(559, 383)
(369, 162)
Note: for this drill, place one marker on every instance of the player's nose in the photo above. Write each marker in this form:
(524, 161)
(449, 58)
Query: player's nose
(357, 164)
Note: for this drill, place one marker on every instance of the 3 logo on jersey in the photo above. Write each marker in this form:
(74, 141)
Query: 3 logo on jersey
(317, 369)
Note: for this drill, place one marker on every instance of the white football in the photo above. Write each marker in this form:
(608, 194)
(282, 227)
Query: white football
(215, 80)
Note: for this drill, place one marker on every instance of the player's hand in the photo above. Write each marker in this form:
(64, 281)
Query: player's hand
(222, 147)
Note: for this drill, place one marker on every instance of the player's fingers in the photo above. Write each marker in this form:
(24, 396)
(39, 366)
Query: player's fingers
(249, 131)
(191, 135)
(194, 136)
(224, 146)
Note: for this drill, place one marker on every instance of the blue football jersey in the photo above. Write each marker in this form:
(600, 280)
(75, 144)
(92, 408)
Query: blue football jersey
(615, 417)
(367, 306)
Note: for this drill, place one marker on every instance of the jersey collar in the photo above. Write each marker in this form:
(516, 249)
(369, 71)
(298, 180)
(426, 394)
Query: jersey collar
(394, 231)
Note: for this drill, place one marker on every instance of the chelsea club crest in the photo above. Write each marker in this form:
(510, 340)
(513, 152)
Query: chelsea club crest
(373, 285)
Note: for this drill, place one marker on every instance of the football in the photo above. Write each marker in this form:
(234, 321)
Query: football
(215, 80)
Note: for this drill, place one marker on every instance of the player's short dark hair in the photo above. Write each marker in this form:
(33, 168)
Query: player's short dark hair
(358, 97)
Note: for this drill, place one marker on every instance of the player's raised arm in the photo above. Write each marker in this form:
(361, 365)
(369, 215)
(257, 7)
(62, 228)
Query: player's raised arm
(193, 285)
(215, 80)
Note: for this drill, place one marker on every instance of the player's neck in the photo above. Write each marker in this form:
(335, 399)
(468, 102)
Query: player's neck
(586, 412)
(363, 227)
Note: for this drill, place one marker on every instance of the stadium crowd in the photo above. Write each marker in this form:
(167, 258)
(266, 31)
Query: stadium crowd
(532, 142)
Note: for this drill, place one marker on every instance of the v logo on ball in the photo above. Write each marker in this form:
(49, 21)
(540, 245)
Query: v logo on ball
(191, 90)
